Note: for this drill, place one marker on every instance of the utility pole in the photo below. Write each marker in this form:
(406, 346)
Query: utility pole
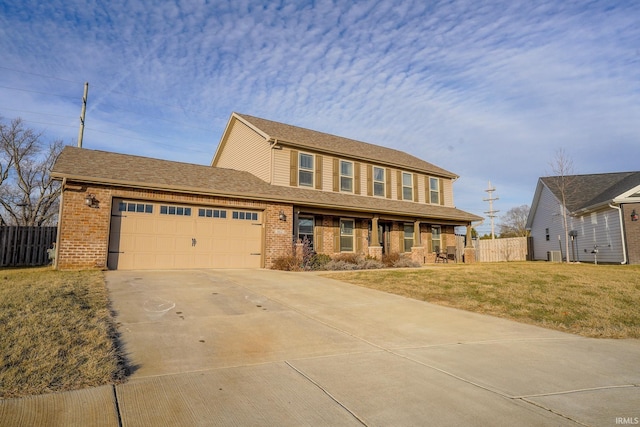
(84, 110)
(491, 213)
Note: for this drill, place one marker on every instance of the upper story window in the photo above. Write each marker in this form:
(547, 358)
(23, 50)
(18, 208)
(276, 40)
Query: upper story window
(407, 186)
(305, 170)
(378, 182)
(434, 190)
(346, 176)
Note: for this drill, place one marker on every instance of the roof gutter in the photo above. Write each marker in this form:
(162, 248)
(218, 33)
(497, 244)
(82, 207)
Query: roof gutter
(624, 246)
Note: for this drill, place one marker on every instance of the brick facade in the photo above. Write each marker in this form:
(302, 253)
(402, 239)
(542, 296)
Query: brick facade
(84, 230)
(632, 232)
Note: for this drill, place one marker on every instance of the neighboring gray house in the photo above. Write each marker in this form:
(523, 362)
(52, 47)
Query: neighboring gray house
(602, 215)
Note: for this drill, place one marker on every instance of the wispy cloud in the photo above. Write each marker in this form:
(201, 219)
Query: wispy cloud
(488, 90)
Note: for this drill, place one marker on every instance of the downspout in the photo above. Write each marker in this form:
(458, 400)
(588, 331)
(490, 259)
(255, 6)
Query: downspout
(55, 262)
(272, 144)
(624, 246)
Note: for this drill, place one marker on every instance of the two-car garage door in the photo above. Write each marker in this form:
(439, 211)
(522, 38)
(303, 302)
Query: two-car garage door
(151, 235)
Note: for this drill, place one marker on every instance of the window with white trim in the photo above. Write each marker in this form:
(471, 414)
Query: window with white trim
(305, 170)
(434, 190)
(408, 237)
(347, 227)
(407, 186)
(346, 176)
(305, 229)
(378, 181)
(436, 238)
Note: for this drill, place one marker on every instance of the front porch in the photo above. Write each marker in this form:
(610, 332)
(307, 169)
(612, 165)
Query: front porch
(422, 240)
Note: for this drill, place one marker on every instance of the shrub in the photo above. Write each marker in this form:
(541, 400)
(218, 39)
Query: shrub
(339, 265)
(346, 257)
(390, 259)
(319, 261)
(369, 263)
(287, 263)
(404, 262)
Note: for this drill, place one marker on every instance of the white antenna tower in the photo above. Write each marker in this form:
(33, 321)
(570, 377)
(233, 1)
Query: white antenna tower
(491, 213)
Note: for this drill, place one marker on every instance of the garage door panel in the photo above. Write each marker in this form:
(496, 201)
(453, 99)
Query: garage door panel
(149, 239)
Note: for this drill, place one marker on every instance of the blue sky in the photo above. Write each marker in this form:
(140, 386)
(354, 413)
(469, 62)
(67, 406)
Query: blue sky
(489, 90)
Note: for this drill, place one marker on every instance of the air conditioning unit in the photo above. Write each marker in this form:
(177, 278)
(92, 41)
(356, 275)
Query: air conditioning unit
(554, 256)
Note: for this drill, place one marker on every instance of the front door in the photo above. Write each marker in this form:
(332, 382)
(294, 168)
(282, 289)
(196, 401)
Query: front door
(384, 234)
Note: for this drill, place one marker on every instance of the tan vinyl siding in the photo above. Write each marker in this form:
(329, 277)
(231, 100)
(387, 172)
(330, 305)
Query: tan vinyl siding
(281, 167)
(327, 173)
(447, 194)
(242, 140)
(422, 189)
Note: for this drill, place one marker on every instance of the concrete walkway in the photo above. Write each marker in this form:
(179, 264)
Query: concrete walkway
(255, 347)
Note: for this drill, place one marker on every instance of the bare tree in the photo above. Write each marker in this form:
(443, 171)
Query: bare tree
(28, 196)
(514, 222)
(562, 168)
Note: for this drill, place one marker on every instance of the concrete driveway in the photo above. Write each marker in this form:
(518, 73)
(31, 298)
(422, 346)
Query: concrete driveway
(255, 347)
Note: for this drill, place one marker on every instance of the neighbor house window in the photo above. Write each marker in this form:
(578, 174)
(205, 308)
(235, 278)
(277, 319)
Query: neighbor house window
(305, 229)
(346, 176)
(546, 234)
(408, 237)
(346, 235)
(378, 181)
(434, 190)
(436, 238)
(305, 170)
(407, 186)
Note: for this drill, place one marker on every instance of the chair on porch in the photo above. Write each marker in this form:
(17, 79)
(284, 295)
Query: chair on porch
(441, 256)
(452, 253)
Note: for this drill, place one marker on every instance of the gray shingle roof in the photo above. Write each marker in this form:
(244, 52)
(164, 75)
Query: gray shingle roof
(584, 191)
(101, 167)
(324, 142)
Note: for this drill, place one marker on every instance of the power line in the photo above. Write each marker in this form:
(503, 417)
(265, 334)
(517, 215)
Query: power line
(35, 91)
(35, 112)
(143, 140)
(39, 75)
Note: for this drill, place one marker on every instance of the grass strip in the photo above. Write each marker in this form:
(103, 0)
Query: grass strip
(590, 300)
(56, 332)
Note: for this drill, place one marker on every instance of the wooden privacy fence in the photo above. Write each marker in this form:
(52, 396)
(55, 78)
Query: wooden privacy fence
(511, 249)
(25, 246)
